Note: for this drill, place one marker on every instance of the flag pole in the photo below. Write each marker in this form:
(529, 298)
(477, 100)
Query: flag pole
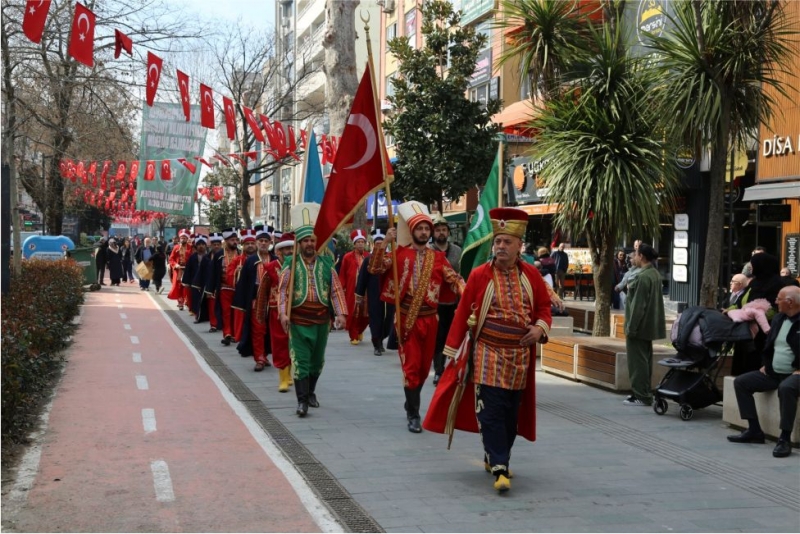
(501, 178)
(382, 148)
(309, 129)
(294, 246)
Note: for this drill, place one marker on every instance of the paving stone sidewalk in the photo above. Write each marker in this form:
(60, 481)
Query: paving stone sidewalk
(597, 466)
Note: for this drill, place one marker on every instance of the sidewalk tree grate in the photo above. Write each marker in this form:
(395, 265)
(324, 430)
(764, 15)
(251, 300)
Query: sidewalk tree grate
(747, 481)
(338, 500)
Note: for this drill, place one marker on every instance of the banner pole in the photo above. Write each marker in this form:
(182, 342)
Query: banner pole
(309, 128)
(389, 207)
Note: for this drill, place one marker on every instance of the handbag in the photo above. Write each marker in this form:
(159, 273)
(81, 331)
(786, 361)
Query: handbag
(144, 271)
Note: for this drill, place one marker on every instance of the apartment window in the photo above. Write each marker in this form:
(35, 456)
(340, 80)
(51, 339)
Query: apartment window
(479, 94)
(411, 27)
(391, 32)
(390, 85)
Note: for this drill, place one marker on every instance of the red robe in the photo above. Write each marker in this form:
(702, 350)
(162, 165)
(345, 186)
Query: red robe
(348, 276)
(178, 259)
(472, 298)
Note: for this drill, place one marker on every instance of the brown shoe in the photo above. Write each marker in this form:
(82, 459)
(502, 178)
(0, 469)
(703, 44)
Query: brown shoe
(259, 367)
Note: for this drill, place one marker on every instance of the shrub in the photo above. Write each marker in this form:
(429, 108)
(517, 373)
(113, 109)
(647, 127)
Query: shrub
(37, 317)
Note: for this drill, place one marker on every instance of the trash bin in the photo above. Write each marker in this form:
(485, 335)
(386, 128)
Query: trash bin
(85, 258)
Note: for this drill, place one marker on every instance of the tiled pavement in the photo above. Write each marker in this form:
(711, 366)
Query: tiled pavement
(597, 466)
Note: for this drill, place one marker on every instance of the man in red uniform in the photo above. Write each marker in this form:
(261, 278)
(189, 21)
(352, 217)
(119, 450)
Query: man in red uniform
(504, 311)
(267, 304)
(177, 263)
(223, 282)
(233, 272)
(348, 276)
(423, 275)
(215, 239)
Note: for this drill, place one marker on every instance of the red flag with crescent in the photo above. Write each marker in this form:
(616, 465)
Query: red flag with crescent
(188, 164)
(122, 42)
(253, 123)
(166, 170)
(153, 76)
(359, 167)
(34, 19)
(183, 85)
(150, 170)
(134, 171)
(81, 38)
(206, 106)
(230, 117)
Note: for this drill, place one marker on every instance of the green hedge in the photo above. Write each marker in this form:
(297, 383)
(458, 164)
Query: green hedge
(37, 315)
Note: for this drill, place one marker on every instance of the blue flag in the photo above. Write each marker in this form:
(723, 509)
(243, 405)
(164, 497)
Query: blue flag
(314, 188)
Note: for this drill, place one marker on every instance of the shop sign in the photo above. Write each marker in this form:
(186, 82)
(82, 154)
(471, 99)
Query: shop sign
(681, 239)
(681, 221)
(523, 173)
(680, 273)
(483, 68)
(474, 9)
(680, 256)
(792, 253)
(779, 146)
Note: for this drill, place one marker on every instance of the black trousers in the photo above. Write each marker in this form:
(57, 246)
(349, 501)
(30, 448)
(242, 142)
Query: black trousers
(497, 411)
(446, 313)
(788, 387)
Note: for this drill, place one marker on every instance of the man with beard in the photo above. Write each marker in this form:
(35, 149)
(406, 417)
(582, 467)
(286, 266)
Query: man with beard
(267, 308)
(446, 310)
(304, 307)
(348, 275)
(368, 289)
(221, 283)
(177, 263)
(234, 272)
(254, 341)
(425, 278)
(214, 252)
(194, 278)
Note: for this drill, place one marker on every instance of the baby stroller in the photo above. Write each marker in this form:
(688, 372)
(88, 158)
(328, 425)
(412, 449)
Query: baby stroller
(703, 337)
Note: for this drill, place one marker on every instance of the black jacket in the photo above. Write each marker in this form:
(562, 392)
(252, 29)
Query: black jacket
(715, 327)
(793, 339)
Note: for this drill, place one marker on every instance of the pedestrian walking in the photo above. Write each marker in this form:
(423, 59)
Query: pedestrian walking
(194, 278)
(114, 262)
(159, 260)
(279, 339)
(368, 301)
(620, 268)
(644, 322)
(177, 263)
(222, 284)
(210, 296)
(348, 276)
(503, 313)
(425, 278)
(561, 259)
(304, 307)
(100, 260)
(144, 254)
(447, 307)
(234, 271)
(127, 261)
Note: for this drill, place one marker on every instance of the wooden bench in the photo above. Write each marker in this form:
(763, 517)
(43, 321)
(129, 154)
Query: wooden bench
(560, 327)
(583, 320)
(768, 412)
(558, 356)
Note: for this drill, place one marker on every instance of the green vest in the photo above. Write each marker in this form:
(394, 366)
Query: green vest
(322, 278)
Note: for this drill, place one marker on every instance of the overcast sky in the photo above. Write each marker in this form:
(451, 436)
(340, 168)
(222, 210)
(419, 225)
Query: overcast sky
(255, 12)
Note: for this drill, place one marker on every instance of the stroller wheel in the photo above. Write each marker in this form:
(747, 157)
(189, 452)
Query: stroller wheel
(660, 406)
(686, 412)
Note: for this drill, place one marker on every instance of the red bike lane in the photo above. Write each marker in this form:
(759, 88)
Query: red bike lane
(141, 438)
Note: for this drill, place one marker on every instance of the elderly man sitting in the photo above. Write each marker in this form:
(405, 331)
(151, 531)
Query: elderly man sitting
(781, 371)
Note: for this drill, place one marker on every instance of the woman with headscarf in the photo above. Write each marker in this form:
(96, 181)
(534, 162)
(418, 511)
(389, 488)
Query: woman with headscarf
(127, 261)
(159, 260)
(100, 260)
(765, 284)
(114, 262)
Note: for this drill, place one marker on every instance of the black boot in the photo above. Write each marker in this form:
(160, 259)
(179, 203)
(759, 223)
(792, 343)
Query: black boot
(380, 346)
(376, 344)
(301, 387)
(412, 409)
(312, 396)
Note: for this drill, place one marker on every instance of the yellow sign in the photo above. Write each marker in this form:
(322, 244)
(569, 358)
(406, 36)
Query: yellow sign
(739, 164)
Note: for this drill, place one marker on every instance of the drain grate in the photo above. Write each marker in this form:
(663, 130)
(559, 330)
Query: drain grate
(349, 513)
(781, 495)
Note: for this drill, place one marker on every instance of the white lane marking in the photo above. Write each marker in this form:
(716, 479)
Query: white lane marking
(162, 482)
(141, 382)
(126, 326)
(149, 420)
(119, 306)
(137, 357)
(117, 300)
(318, 511)
(123, 316)
(134, 340)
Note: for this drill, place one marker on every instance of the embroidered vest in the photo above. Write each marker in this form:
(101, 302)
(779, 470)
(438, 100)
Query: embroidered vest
(322, 279)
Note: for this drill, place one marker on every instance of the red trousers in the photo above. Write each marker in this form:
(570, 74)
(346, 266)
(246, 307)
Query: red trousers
(416, 354)
(356, 326)
(238, 324)
(212, 313)
(258, 333)
(280, 341)
(225, 303)
(178, 292)
(187, 295)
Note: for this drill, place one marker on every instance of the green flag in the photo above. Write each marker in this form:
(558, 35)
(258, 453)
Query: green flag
(478, 244)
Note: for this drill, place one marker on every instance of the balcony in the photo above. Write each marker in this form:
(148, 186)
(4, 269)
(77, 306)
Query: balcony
(309, 14)
(312, 88)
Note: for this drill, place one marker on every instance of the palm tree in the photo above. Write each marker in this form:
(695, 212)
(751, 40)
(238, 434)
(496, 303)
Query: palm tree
(606, 161)
(713, 67)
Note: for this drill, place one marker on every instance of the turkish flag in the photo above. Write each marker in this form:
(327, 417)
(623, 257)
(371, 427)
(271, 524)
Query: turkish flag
(153, 76)
(204, 162)
(166, 170)
(222, 160)
(80, 171)
(326, 155)
(122, 42)
(81, 39)
(121, 167)
(183, 85)
(230, 117)
(218, 192)
(276, 148)
(134, 171)
(63, 167)
(253, 123)
(251, 155)
(150, 171)
(358, 170)
(34, 19)
(206, 107)
(293, 144)
(91, 174)
(189, 165)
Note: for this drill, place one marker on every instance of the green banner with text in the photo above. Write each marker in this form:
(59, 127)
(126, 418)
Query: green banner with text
(166, 135)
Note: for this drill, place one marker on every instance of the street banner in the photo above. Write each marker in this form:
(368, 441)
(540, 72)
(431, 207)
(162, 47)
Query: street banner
(167, 137)
(478, 244)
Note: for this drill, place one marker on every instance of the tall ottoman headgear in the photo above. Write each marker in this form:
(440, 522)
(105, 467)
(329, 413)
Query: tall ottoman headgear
(184, 233)
(287, 240)
(248, 235)
(509, 221)
(304, 217)
(357, 234)
(411, 214)
(229, 232)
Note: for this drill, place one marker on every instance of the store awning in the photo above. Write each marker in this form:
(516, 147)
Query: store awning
(518, 113)
(774, 191)
(540, 209)
(457, 217)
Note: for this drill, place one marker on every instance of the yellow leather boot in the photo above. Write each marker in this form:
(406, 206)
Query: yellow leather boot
(283, 374)
(289, 374)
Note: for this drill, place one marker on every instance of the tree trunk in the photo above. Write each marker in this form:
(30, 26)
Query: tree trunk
(245, 198)
(709, 289)
(602, 269)
(341, 71)
(9, 131)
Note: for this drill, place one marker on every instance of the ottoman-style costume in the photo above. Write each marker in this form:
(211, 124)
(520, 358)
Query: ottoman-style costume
(177, 263)
(348, 275)
(233, 272)
(368, 288)
(222, 285)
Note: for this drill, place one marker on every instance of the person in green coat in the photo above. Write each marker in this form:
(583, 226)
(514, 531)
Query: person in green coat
(644, 322)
